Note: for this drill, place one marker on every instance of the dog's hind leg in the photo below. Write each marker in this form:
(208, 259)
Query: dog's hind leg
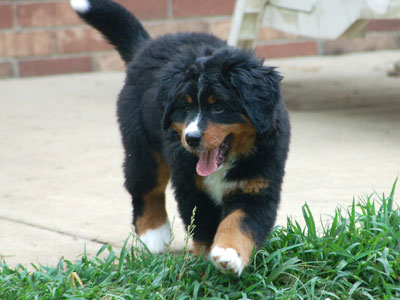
(146, 180)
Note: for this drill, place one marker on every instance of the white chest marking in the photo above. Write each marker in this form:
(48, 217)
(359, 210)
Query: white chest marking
(216, 186)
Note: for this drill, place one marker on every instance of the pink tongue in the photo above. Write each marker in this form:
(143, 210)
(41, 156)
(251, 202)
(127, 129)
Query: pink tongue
(207, 163)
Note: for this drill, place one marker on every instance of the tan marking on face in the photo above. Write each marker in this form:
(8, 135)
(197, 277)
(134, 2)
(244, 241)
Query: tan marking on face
(231, 235)
(244, 135)
(188, 99)
(249, 186)
(154, 212)
(178, 127)
(212, 99)
(183, 139)
(215, 134)
(200, 248)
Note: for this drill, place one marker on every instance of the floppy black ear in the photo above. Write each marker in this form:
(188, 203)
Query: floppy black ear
(172, 81)
(165, 99)
(256, 85)
(166, 120)
(259, 90)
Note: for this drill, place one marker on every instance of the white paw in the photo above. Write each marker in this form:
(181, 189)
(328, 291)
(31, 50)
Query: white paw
(157, 239)
(226, 259)
(80, 6)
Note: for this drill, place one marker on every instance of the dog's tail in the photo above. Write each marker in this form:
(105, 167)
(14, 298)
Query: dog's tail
(117, 24)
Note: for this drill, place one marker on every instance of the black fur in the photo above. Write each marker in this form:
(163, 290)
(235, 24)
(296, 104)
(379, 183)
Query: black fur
(160, 73)
(118, 25)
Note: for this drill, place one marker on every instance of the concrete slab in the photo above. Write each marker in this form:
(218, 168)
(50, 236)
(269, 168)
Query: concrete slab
(343, 81)
(60, 175)
(26, 244)
(338, 155)
(61, 163)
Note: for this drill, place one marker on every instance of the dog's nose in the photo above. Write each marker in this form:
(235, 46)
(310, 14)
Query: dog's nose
(193, 139)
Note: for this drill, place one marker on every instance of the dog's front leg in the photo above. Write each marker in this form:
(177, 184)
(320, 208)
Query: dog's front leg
(246, 224)
(233, 246)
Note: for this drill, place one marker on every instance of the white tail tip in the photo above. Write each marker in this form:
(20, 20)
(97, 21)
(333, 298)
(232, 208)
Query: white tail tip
(80, 6)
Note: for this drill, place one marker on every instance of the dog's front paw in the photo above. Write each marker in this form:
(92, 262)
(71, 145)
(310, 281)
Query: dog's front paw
(226, 259)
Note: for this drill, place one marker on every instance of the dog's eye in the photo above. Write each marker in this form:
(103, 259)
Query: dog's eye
(217, 108)
(186, 107)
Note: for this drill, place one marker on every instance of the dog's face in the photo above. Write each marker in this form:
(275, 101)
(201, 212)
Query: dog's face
(219, 103)
(212, 127)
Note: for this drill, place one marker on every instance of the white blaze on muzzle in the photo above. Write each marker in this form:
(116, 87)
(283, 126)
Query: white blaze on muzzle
(193, 126)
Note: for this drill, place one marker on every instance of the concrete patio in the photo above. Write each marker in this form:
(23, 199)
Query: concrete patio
(60, 167)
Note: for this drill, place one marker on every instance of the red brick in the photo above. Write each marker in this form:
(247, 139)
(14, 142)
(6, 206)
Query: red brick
(267, 34)
(55, 66)
(301, 48)
(18, 44)
(110, 62)
(384, 25)
(221, 28)
(146, 9)
(185, 8)
(80, 40)
(46, 14)
(162, 28)
(6, 70)
(368, 43)
(6, 16)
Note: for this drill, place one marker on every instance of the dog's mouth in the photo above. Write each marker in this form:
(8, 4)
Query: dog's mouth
(210, 160)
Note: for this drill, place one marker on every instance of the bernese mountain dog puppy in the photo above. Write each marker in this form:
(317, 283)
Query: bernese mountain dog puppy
(208, 117)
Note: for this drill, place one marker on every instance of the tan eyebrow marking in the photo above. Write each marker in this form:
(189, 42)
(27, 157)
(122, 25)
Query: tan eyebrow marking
(188, 99)
(212, 99)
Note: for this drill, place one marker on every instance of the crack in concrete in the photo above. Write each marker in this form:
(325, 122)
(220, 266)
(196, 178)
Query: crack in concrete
(66, 233)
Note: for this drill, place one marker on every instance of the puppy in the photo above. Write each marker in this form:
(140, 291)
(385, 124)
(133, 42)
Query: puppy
(208, 117)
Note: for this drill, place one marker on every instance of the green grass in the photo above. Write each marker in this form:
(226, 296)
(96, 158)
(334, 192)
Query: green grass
(354, 256)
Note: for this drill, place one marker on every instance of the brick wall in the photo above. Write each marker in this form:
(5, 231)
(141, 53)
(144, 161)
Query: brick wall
(42, 37)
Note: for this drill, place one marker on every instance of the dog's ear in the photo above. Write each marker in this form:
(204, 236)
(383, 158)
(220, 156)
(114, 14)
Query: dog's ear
(259, 92)
(164, 97)
(172, 82)
(256, 85)
(166, 120)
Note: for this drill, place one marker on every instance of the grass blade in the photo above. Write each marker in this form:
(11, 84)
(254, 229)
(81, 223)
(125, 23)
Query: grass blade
(309, 219)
